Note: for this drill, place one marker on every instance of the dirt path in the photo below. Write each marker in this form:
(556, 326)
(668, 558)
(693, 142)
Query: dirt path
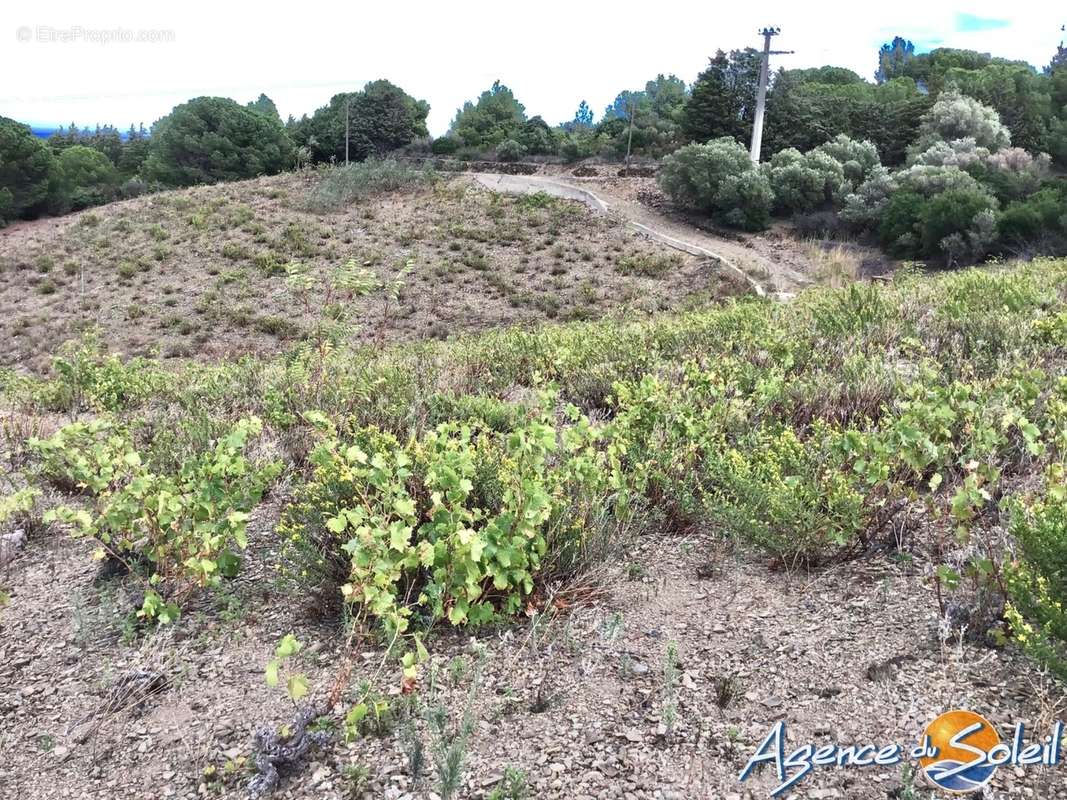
(766, 276)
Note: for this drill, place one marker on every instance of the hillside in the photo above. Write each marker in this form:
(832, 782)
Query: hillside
(201, 272)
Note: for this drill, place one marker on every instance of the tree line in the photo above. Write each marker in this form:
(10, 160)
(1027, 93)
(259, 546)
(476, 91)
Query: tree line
(211, 139)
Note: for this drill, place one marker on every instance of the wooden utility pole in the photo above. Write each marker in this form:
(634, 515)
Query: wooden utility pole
(346, 130)
(630, 135)
(761, 94)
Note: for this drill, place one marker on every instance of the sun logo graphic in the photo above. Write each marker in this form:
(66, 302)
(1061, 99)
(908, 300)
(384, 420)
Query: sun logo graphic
(961, 751)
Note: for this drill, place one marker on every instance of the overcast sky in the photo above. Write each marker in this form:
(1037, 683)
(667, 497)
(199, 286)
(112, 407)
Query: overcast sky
(56, 66)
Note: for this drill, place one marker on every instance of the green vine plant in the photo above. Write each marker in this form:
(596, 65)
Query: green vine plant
(296, 683)
(452, 527)
(177, 532)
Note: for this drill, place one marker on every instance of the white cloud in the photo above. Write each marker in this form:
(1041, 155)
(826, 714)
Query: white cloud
(553, 54)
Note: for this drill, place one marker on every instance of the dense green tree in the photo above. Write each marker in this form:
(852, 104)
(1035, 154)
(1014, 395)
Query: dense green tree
(1059, 60)
(211, 139)
(657, 113)
(105, 139)
(722, 100)
(537, 137)
(264, 105)
(930, 69)
(381, 117)
(134, 152)
(1017, 92)
(86, 177)
(833, 76)
(385, 117)
(1057, 140)
(804, 115)
(27, 172)
(494, 117)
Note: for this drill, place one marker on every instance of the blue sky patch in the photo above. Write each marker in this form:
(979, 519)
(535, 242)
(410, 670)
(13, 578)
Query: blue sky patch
(967, 23)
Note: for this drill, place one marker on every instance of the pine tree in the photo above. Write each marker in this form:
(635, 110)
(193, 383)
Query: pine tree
(893, 58)
(583, 117)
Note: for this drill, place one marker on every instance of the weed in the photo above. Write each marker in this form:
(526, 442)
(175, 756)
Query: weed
(450, 739)
(275, 325)
(511, 787)
(671, 678)
(648, 265)
(356, 779)
(234, 251)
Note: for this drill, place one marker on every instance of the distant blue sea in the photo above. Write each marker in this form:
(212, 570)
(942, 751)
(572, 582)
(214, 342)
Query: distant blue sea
(43, 132)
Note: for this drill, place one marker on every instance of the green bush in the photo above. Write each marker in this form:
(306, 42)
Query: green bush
(900, 229)
(787, 496)
(510, 150)
(720, 179)
(857, 158)
(580, 144)
(804, 182)
(956, 225)
(445, 145)
(537, 137)
(1042, 216)
(956, 116)
(961, 225)
(452, 526)
(87, 379)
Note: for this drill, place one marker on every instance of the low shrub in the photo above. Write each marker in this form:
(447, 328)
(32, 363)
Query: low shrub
(719, 179)
(87, 379)
(1037, 581)
(343, 186)
(445, 145)
(957, 225)
(510, 150)
(1039, 220)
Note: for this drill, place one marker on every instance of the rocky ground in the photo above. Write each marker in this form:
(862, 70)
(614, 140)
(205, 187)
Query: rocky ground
(658, 680)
